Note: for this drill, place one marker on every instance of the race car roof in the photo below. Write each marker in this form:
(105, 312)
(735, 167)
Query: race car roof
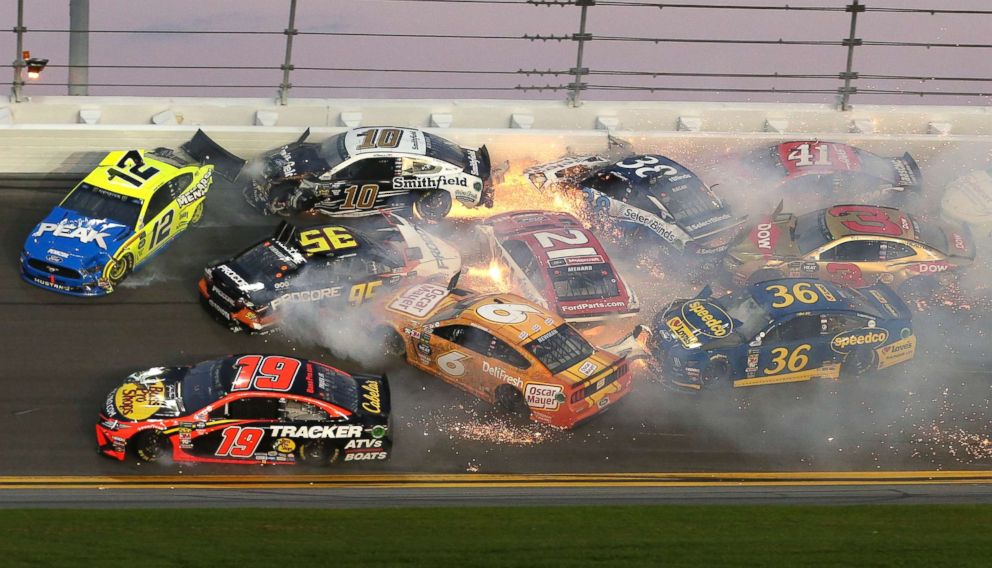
(843, 220)
(830, 297)
(102, 176)
(520, 322)
(572, 246)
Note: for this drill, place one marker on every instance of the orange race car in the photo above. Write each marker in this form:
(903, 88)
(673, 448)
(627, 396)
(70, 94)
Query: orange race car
(508, 351)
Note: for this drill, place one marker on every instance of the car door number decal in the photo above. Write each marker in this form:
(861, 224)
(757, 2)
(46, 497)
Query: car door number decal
(795, 361)
(451, 363)
(240, 442)
(161, 229)
(365, 196)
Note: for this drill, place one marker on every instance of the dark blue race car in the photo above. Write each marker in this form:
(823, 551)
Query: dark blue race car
(780, 331)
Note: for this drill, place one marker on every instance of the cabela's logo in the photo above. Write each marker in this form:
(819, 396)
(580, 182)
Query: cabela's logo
(372, 401)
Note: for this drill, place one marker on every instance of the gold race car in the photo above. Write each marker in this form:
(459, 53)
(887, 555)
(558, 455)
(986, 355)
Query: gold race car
(507, 351)
(856, 245)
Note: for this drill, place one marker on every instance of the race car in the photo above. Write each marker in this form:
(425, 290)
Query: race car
(811, 170)
(255, 409)
(365, 170)
(968, 199)
(780, 331)
(128, 209)
(647, 195)
(560, 265)
(857, 245)
(506, 351)
(321, 266)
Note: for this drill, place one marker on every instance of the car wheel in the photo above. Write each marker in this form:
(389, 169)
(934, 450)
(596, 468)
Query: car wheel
(197, 214)
(150, 445)
(511, 401)
(715, 372)
(859, 362)
(433, 205)
(317, 452)
(120, 269)
(393, 343)
(763, 275)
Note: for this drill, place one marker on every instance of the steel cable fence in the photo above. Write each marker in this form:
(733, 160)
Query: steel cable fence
(821, 61)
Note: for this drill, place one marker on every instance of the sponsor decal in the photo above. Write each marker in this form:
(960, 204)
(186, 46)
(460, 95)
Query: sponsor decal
(316, 432)
(708, 222)
(931, 267)
(752, 363)
(419, 300)
(707, 318)
(540, 395)
(191, 195)
(473, 161)
(903, 172)
(428, 182)
(681, 331)
(809, 267)
(363, 444)
(662, 229)
(593, 306)
(240, 282)
(58, 253)
(501, 374)
(592, 259)
(897, 352)
(579, 268)
(81, 231)
(364, 456)
(289, 167)
(219, 309)
(54, 259)
(431, 247)
(765, 237)
(956, 240)
(307, 296)
(881, 299)
(845, 342)
(55, 285)
(138, 401)
(825, 292)
(588, 368)
(371, 401)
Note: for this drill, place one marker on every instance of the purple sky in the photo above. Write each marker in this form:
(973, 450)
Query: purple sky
(387, 16)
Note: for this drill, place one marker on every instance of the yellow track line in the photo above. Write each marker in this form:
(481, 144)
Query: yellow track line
(735, 479)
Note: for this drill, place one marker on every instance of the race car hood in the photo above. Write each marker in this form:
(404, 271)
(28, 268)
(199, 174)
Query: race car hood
(293, 161)
(146, 395)
(695, 325)
(76, 240)
(252, 275)
(772, 237)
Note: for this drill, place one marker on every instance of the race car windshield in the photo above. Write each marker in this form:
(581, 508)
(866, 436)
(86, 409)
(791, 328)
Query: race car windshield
(333, 151)
(584, 282)
(264, 260)
(99, 203)
(560, 348)
(446, 151)
(203, 384)
(337, 389)
(742, 307)
(811, 232)
(689, 200)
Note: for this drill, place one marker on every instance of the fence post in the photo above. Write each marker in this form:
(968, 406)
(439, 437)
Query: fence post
(16, 91)
(851, 42)
(287, 66)
(578, 71)
(79, 47)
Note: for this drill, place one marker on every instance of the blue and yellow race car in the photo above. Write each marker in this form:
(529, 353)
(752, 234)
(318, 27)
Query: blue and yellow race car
(780, 331)
(129, 208)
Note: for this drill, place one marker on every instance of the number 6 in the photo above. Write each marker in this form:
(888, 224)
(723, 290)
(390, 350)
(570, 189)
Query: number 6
(451, 363)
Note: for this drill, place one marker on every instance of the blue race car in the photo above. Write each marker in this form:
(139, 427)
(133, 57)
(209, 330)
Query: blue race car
(780, 331)
(127, 210)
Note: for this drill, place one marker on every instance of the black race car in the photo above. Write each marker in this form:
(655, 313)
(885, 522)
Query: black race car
(365, 170)
(326, 265)
(262, 409)
(647, 195)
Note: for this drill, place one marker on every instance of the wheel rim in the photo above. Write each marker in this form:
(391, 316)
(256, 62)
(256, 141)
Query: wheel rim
(118, 269)
(197, 213)
(435, 205)
(152, 447)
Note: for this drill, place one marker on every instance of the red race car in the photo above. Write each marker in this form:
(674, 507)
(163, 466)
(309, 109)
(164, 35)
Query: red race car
(557, 263)
(262, 409)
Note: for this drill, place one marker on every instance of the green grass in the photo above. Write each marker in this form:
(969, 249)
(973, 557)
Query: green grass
(560, 536)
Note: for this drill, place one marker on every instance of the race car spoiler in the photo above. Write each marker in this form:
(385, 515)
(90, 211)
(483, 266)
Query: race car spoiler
(204, 150)
(907, 172)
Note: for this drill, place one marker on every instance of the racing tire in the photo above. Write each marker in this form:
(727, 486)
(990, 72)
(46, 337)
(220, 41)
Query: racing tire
(317, 452)
(510, 401)
(197, 214)
(433, 205)
(393, 344)
(714, 374)
(763, 275)
(120, 269)
(150, 445)
(858, 363)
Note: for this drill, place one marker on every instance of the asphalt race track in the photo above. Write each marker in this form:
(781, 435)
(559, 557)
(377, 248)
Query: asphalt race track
(62, 355)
